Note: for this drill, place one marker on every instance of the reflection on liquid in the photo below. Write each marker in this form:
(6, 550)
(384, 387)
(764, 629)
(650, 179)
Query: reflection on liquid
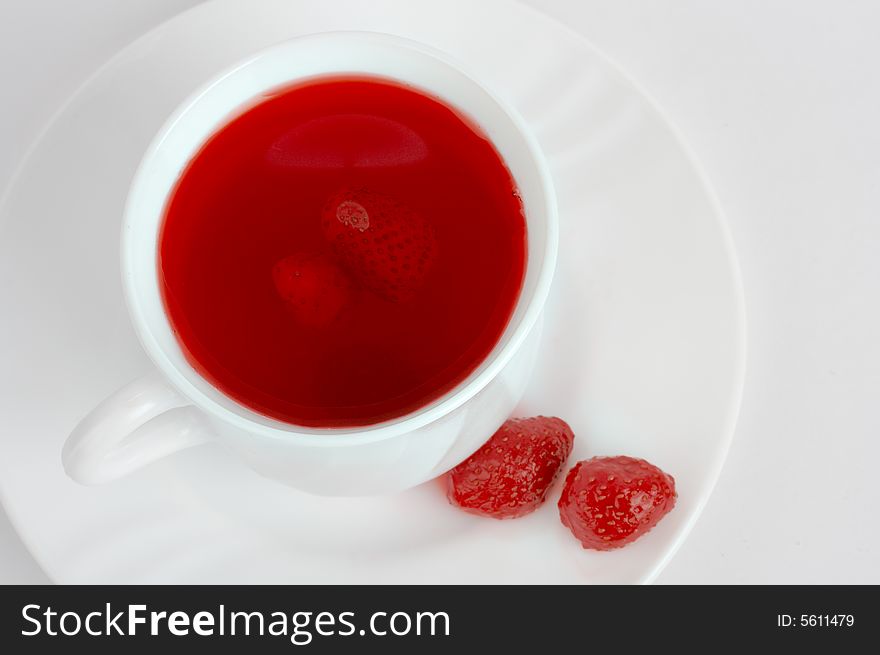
(348, 140)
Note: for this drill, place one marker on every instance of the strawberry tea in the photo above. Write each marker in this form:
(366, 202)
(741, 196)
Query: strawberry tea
(342, 252)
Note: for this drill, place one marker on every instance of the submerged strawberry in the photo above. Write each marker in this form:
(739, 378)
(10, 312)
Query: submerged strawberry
(388, 247)
(608, 502)
(315, 289)
(510, 475)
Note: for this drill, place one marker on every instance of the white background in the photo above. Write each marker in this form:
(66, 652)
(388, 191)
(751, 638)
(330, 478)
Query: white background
(780, 100)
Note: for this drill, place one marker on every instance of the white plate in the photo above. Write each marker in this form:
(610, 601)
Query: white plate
(643, 345)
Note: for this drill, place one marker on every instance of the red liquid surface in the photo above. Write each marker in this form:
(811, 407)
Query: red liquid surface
(254, 195)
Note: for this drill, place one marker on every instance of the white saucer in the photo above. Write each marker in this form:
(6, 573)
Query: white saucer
(643, 345)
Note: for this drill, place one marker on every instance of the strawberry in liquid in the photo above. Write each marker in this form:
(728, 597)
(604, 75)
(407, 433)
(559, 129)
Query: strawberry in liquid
(338, 324)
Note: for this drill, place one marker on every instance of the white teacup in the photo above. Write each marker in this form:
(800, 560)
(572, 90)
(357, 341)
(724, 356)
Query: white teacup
(174, 407)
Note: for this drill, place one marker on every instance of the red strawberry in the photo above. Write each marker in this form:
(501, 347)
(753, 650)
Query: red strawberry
(315, 289)
(510, 474)
(608, 502)
(388, 247)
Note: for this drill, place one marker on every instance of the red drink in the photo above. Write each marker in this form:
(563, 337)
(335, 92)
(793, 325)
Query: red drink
(342, 253)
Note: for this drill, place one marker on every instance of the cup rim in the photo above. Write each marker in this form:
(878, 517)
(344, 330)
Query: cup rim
(492, 365)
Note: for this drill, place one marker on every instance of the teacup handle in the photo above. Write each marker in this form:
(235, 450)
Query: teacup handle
(142, 422)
